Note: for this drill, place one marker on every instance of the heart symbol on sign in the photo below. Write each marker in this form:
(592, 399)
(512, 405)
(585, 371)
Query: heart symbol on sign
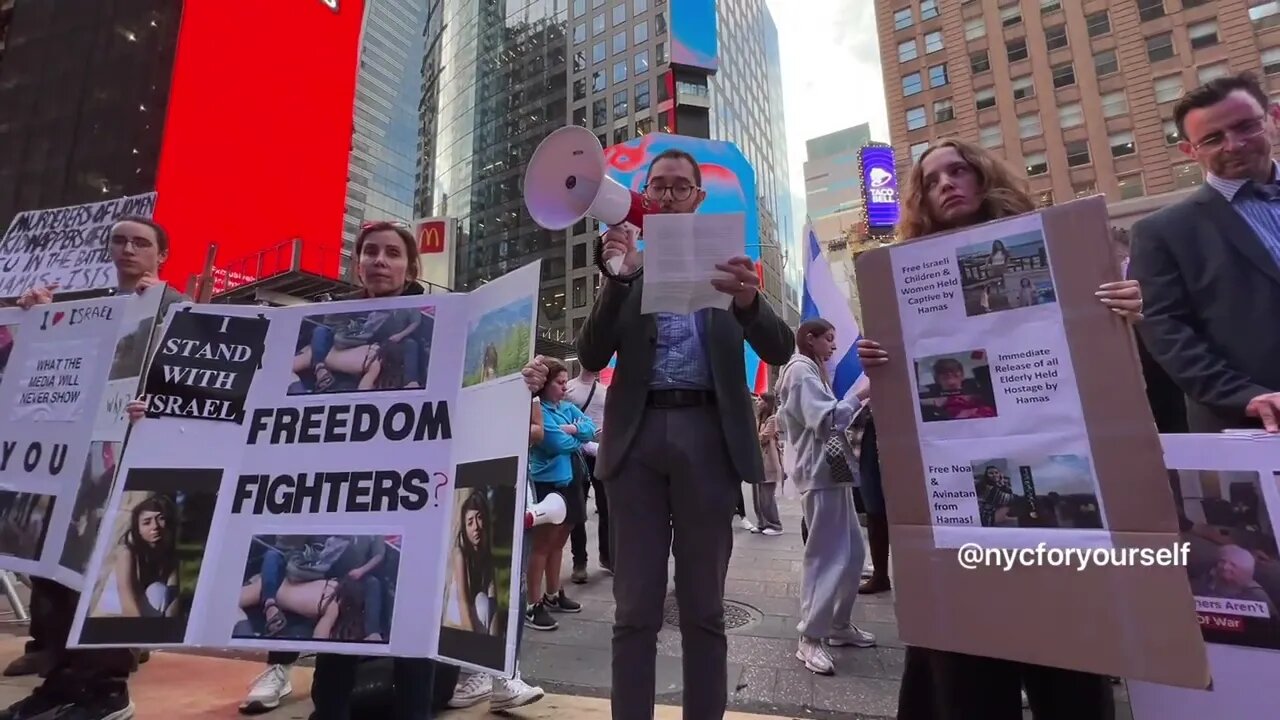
(57, 317)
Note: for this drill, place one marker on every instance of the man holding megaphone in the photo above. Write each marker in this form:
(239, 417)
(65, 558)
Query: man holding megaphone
(679, 440)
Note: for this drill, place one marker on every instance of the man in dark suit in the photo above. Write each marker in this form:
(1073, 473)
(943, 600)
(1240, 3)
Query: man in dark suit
(1210, 265)
(680, 438)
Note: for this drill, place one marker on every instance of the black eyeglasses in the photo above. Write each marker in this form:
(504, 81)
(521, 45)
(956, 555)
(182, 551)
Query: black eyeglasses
(138, 243)
(679, 192)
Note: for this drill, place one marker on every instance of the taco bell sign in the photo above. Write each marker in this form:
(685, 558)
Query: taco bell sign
(879, 186)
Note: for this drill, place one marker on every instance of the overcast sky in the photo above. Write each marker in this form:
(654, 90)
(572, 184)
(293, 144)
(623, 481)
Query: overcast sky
(830, 74)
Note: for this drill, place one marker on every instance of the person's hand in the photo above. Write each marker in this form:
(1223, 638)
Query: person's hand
(1123, 298)
(535, 374)
(37, 296)
(871, 354)
(1267, 409)
(356, 574)
(569, 429)
(741, 281)
(136, 410)
(147, 280)
(620, 243)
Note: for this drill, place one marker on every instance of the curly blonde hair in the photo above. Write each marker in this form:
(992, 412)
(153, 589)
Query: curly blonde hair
(1004, 192)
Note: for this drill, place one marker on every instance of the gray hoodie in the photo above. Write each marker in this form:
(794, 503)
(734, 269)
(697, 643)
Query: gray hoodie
(808, 416)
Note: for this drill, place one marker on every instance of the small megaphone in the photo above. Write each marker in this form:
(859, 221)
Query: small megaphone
(551, 511)
(566, 182)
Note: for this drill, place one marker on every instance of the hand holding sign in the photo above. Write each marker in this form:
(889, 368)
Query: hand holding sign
(37, 296)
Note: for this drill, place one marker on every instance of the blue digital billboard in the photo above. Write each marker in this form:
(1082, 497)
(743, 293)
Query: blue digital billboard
(879, 176)
(694, 37)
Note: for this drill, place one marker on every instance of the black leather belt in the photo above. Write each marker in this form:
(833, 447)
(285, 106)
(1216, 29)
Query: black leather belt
(680, 398)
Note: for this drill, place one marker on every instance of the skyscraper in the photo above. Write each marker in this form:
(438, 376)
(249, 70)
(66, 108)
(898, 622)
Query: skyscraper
(1079, 95)
(833, 196)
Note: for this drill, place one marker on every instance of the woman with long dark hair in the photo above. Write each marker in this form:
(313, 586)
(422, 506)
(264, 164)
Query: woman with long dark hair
(812, 415)
(147, 564)
(764, 494)
(954, 185)
(471, 596)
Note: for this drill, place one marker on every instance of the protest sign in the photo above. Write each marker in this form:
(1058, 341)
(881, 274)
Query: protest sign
(1013, 416)
(203, 366)
(68, 246)
(1227, 491)
(325, 519)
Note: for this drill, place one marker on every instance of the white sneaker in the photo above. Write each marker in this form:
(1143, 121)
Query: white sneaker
(473, 690)
(771, 532)
(267, 690)
(509, 694)
(747, 525)
(815, 657)
(852, 635)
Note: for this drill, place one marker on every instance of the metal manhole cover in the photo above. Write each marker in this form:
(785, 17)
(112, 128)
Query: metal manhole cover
(736, 614)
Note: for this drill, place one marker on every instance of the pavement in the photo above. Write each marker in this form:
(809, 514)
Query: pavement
(573, 663)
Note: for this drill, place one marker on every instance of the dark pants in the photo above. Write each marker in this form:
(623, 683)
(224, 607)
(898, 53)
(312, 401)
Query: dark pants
(335, 678)
(578, 536)
(674, 492)
(77, 675)
(938, 685)
(279, 657)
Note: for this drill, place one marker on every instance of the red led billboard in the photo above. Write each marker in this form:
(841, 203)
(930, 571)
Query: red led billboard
(258, 131)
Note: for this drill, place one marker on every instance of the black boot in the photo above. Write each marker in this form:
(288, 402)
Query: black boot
(878, 540)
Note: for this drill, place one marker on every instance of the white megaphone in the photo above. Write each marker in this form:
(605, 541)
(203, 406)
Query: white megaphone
(551, 511)
(566, 182)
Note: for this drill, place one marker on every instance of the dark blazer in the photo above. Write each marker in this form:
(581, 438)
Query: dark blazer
(615, 325)
(1211, 295)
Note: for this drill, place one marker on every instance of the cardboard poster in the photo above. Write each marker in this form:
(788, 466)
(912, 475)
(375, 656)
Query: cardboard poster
(327, 518)
(203, 366)
(1012, 415)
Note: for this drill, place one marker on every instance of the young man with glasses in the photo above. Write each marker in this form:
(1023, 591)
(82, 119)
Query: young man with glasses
(1209, 265)
(680, 438)
(90, 684)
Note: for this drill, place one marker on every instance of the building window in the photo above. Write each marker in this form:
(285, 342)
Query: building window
(928, 9)
(619, 14)
(644, 126)
(1131, 186)
(660, 24)
(580, 33)
(1056, 37)
(579, 292)
(1203, 34)
(1064, 75)
(1029, 126)
(975, 28)
(985, 98)
(908, 50)
(1048, 6)
(599, 112)
(1171, 135)
(1098, 23)
(932, 42)
(989, 136)
(1121, 144)
(1037, 164)
(1115, 104)
(1084, 189)
(642, 96)
(1265, 15)
(1150, 9)
(619, 72)
(1078, 153)
(917, 150)
(579, 8)
(1070, 115)
(620, 42)
(579, 61)
(1207, 73)
(597, 25)
(599, 52)
(902, 18)
(943, 111)
(1188, 4)
(580, 115)
(580, 89)
(938, 75)
(620, 109)
(598, 83)
(664, 121)
(911, 84)
(1044, 199)
(1016, 49)
(979, 62)
(916, 118)
(620, 135)
(579, 255)
(1023, 87)
(639, 6)
(1160, 47)
(1012, 15)
(640, 33)
(1187, 175)
(662, 52)
(1168, 88)
(1271, 61)
(1105, 63)
(641, 62)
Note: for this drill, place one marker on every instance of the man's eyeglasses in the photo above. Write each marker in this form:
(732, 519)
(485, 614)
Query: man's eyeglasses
(138, 243)
(679, 193)
(1243, 130)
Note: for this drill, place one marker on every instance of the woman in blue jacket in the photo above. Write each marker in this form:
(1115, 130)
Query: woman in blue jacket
(556, 466)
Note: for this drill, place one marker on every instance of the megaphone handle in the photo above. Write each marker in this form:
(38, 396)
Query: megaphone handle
(608, 271)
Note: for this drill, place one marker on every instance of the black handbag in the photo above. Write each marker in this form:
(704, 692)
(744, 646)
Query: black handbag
(838, 460)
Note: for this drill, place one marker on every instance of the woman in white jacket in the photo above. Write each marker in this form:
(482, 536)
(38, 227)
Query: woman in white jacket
(810, 416)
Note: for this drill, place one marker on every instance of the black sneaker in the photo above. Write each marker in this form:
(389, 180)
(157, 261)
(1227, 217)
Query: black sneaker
(111, 707)
(536, 618)
(31, 706)
(561, 603)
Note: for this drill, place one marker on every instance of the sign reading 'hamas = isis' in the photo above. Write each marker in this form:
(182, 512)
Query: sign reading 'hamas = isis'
(205, 365)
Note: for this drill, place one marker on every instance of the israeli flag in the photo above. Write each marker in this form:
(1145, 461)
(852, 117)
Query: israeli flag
(822, 298)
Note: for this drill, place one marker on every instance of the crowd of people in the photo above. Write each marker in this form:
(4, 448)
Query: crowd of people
(666, 446)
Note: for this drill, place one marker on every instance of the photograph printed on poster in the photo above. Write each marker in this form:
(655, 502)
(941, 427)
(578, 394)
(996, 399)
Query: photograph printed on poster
(328, 588)
(1232, 559)
(24, 522)
(204, 366)
(498, 343)
(363, 351)
(147, 581)
(1047, 491)
(955, 386)
(1006, 274)
(131, 350)
(90, 504)
(477, 594)
(7, 335)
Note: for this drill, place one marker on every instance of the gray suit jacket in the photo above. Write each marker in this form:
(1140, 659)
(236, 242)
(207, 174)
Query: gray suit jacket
(616, 326)
(1211, 295)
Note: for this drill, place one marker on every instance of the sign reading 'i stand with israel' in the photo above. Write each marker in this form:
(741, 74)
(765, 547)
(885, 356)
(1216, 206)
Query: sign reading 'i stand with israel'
(879, 187)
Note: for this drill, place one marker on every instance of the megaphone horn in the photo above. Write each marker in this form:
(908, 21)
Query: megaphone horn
(551, 511)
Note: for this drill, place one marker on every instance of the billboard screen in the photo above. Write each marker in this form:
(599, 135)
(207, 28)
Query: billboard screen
(258, 131)
(694, 35)
(879, 186)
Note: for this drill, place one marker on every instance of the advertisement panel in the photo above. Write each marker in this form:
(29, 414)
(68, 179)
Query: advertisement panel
(436, 243)
(879, 186)
(694, 35)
